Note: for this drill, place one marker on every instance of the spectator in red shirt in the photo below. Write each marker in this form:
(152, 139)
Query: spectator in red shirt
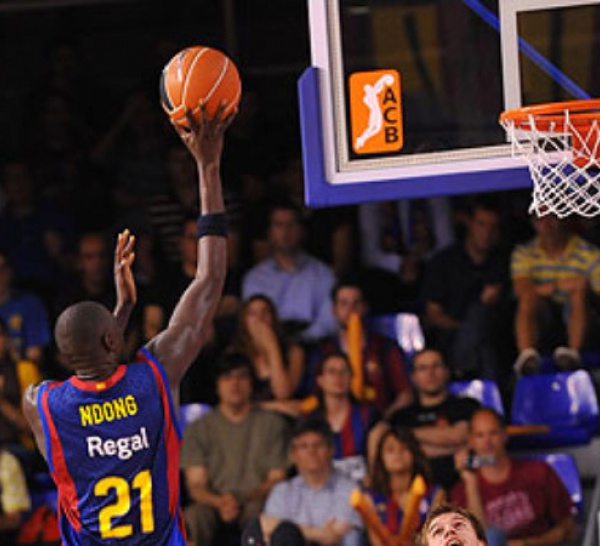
(523, 498)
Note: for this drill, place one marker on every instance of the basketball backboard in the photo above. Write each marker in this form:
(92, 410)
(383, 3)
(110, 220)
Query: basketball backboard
(403, 96)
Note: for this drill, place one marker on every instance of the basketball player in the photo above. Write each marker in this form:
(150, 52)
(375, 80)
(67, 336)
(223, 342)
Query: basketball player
(110, 433)
(448, 525)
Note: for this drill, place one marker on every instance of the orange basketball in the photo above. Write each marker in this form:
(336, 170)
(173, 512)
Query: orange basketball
(198, 75)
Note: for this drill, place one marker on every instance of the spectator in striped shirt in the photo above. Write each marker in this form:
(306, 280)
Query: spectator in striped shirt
(555, 276)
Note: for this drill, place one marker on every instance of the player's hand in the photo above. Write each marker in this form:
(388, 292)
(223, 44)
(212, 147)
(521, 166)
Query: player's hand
(204, 138)
(124, 257)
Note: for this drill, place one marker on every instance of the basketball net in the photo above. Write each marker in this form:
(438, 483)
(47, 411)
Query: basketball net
(561, 144)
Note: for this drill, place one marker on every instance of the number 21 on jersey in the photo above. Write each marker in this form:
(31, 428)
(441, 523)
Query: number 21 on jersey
(122, 505)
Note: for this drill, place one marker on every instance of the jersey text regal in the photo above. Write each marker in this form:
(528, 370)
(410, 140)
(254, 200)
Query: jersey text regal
(123, 448)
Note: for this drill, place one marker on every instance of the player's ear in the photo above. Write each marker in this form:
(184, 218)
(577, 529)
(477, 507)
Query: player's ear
(109, 342)
(106, 343)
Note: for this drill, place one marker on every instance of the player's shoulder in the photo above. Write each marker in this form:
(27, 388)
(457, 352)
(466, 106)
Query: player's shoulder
(32, 391)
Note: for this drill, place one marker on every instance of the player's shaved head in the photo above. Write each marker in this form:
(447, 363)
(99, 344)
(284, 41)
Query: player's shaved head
(82, 329)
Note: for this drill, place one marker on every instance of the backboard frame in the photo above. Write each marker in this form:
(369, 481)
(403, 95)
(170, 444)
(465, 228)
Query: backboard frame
(333, 178)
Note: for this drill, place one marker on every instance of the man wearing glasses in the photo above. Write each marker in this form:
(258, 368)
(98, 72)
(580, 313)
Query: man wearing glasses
(439, 419)
(316, 500)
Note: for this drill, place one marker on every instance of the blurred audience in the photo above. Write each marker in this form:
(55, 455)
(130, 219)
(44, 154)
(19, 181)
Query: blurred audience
(232, 456)
(169, 210)
(383, 362)
(278, 364)
(556, 277)
(59, 138)
(15, 376)
(37, 238)
(14, 497)
(399, 460)
(316, 500)
(92, 279)
(523, 498)
(297, 283)
(332, 233)
(466, 291)
(350, 420)
(397, 239)
(132, 150)
(25, 317)
(439, 419)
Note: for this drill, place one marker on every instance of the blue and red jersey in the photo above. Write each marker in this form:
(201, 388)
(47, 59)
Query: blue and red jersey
(392, 515)
(384, 368)
(113, 451)
(350, 442)
(352, 437)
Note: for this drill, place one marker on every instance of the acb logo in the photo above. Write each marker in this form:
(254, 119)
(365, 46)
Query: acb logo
(376, 112)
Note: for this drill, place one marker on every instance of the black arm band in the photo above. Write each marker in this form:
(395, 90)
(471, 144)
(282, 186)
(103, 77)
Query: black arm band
(212, 224)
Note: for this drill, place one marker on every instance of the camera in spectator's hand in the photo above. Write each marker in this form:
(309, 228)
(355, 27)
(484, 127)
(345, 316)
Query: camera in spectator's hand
(475, 461)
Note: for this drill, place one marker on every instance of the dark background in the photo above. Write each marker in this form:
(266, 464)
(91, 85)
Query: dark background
(123, 45)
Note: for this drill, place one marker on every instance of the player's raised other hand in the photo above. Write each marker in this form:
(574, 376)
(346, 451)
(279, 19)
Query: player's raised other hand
(123, 270)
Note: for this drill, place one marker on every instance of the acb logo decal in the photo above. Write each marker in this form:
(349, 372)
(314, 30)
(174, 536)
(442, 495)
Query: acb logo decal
(376, 112)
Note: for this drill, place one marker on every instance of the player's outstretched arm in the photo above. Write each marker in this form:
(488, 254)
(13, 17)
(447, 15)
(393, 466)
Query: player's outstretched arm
(124, 280)
(177, 346)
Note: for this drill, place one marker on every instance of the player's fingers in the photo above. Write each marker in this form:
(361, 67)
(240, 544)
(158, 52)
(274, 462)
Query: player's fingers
(218, 117)
(129, 243)
(229, 118)
(119, 246)
(197, 122)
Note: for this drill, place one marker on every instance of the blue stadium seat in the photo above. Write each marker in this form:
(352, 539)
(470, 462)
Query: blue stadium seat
(565, 466)
(566, 402)
(484, 390)
(404, 328)
(191, 412)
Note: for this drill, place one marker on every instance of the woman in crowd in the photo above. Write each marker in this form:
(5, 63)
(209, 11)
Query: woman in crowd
(350, 421)
(278, 365)
(398, 462)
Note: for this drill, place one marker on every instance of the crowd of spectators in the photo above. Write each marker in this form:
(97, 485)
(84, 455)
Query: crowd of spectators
(484, 287)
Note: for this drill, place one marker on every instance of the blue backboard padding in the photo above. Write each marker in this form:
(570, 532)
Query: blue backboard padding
(319, 192)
